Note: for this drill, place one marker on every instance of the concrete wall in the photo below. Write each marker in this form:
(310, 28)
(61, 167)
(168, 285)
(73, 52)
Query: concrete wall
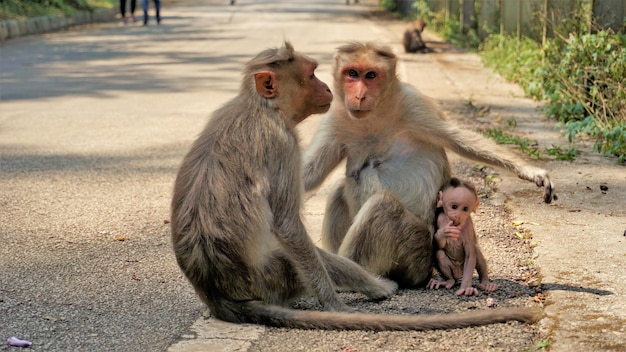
(44, 24)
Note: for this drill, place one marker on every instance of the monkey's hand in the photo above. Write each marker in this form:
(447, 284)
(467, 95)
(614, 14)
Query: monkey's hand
(436, 284)
(448, 232)
(468, 291)
(541, 178)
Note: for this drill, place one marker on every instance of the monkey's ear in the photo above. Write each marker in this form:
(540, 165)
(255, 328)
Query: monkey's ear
(266, 84)
(439, 199)
(476, 205)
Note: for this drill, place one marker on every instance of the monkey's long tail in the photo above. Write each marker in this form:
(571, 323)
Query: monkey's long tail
(276, 316)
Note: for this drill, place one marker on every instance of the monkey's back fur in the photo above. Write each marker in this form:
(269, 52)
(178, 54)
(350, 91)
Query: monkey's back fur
(237, 231)
(223, 206)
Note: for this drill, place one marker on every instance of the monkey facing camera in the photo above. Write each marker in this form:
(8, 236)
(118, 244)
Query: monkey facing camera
(457, 252)
(236, 226)
(393, 140)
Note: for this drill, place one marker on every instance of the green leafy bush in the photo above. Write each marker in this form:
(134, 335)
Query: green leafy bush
(585, 87)
(21, 9)
(388, 5)
(581, 78)
(519, 61)
(450, 29)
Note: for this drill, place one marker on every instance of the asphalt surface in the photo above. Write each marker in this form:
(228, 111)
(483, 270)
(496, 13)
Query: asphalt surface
(94, 123)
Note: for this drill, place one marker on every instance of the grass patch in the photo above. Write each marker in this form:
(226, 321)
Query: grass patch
(579, 72)
(529, 146)
(23, 9)
(581, 79)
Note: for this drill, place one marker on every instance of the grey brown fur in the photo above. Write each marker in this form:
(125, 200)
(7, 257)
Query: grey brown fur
(412, 38)
(393, 138)
(236, 226)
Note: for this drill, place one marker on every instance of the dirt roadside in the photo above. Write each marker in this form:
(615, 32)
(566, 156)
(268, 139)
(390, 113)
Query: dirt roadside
(580, 240)
(94, 123)
(571, 260)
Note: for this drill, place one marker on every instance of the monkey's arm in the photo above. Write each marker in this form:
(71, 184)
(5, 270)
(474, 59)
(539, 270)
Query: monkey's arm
(429, 124)
(481, 266)
(322, 156)
(309, 264)
(473, 146)
(469, 265)
(441, 238)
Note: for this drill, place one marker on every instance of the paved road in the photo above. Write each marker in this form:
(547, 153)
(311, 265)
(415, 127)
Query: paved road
(94, 123)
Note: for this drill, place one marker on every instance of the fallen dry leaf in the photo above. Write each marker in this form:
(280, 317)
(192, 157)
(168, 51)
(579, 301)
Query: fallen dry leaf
(522, 222)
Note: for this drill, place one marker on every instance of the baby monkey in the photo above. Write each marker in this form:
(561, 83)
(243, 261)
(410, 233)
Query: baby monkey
(456, 245)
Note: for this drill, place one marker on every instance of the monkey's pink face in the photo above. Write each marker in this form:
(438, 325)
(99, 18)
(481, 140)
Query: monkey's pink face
(457, 204)
(362, 86)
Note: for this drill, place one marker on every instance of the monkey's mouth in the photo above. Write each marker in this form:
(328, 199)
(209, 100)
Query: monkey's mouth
(359, 114)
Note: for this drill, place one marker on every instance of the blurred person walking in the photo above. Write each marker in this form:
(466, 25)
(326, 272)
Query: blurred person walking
(133, 6)
(157, 5)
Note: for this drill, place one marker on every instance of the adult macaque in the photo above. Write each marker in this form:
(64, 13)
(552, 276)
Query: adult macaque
(236, 226)
(381, 215)
(412, 38)
(456, 245)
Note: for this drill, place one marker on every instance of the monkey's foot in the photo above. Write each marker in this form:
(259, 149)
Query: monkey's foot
(488, 286)
(468, 291)
(335, 306)
(436, 284)
(385, 289)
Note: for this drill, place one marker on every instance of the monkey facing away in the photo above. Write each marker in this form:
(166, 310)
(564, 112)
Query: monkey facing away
(412, 37)
(381, 214)
(236, 226)
(456, 245)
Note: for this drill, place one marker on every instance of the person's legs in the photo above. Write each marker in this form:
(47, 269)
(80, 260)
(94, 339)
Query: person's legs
(133, 6)
(123, 10)
(144, 5)
(157, 5)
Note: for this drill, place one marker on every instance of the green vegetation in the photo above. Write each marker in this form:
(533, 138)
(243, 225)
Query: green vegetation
(542, 345)
(530, 146)
(388, 5)
(450, 29)
(561, 154)
(526, 145)
(579, 72)
(22, 9)
(581, 79)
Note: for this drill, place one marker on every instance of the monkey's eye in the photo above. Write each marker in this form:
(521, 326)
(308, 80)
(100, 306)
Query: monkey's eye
(352, 73)
(466, 209)
(370, 75)
(454, 206)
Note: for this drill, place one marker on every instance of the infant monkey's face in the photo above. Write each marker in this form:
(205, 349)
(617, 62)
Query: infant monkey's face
(457, 204)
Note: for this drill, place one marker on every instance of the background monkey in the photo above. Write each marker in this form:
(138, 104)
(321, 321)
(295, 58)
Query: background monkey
(457, 250)
(393, 139)
(236, 226)
(412, 37)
